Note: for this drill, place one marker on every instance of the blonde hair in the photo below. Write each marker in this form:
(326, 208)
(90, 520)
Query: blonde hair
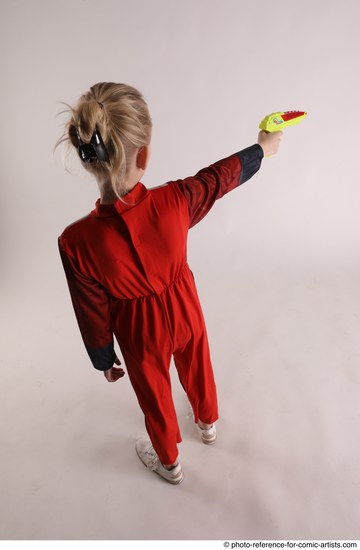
(121, 115)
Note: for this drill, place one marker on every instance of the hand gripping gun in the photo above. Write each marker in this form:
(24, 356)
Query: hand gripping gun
(276, 122)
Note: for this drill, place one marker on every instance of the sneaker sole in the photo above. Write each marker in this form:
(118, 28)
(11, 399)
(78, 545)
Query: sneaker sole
(175, 481)
(208, 441)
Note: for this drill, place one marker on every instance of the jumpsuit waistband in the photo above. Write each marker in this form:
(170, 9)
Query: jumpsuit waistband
(179, 276)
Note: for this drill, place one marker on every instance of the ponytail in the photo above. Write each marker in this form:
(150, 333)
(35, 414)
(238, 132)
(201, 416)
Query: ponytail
(108, 123)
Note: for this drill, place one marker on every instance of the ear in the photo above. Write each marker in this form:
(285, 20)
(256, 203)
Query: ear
(143, 157)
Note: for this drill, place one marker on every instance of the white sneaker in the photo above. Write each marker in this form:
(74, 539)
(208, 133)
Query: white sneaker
(148, 456)
(207, 436)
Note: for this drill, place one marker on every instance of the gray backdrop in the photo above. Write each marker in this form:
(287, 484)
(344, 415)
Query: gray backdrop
(276, 264)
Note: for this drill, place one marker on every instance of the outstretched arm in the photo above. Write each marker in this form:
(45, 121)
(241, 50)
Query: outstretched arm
(211, 183)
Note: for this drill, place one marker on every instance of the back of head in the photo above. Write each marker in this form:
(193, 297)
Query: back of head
(120, 115)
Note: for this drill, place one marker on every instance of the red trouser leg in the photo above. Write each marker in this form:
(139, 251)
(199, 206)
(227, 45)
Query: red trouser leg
(196, 375)
(142, 331)
(192, 354)
(151, 382)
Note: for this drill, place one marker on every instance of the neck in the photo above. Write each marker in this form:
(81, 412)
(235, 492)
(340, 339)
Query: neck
(107, 195)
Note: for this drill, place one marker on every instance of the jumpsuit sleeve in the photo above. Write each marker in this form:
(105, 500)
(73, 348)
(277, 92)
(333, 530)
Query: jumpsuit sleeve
(92, 311)
(211, 183)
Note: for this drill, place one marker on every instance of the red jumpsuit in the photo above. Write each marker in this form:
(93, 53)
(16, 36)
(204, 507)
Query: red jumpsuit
(127, 272)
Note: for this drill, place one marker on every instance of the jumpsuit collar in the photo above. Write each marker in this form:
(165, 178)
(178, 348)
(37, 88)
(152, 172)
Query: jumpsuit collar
(136, 195)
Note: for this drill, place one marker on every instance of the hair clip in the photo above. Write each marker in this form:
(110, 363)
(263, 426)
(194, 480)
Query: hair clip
(93, 151)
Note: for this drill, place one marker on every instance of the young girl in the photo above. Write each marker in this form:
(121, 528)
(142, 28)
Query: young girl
(127, 270)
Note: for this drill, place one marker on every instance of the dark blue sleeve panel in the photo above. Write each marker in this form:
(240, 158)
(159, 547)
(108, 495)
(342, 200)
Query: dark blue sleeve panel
(211, 183)
(102, 358)
(91, 307)
(250, 159)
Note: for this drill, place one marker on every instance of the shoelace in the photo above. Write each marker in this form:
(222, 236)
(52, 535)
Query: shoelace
(153, 458)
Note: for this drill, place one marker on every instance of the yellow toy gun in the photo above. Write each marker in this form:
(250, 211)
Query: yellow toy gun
(280, 120)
